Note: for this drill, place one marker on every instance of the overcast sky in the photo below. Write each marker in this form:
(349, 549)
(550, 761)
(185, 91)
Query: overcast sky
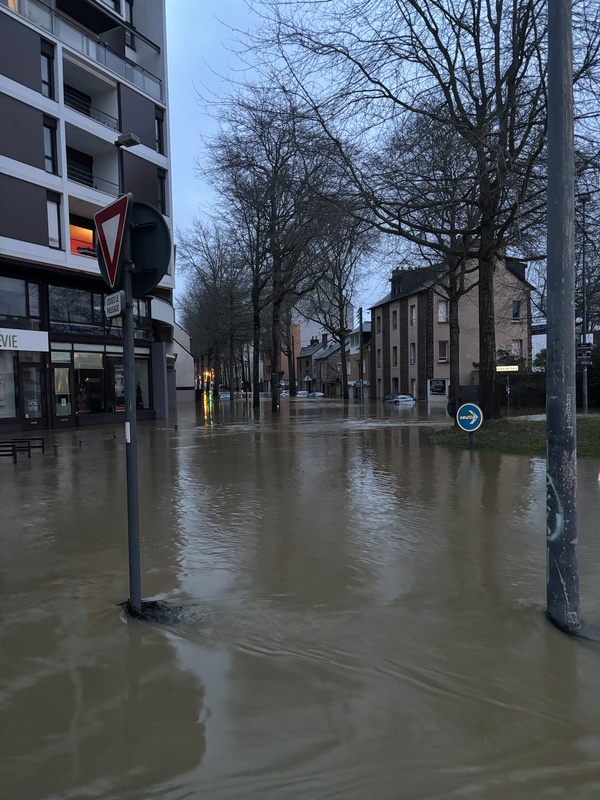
(200, 48)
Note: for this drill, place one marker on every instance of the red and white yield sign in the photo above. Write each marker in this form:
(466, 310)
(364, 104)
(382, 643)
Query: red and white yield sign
(112, 229)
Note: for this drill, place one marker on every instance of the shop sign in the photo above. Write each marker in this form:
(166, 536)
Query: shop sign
(15, 339)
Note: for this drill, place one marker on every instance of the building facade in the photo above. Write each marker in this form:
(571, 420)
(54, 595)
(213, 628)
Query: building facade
(83, 86)
(410, 337)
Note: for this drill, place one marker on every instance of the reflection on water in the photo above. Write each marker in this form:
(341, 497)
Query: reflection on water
(364, 616)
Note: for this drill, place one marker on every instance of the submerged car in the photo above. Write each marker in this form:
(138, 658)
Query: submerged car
(399, 399)
(302, 394)
(316, 394)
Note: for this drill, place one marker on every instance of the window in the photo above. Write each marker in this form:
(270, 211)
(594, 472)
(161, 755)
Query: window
(19, 304)
(379, 323)
(379, 358)
(80, 167)
(394, 320)
(442, 311)
(81, 236)
(80, 101)
(50, 145)
(517, 347)
(162, 192)
(159, 130)
(53, 208)
(442, 351)
(413, 353)
(516, 309)
(128, 11)
(47, 64)
(413, 316)
(395, 356)
(13, 298)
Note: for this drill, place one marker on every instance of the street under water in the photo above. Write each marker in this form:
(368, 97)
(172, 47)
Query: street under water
(361, 616)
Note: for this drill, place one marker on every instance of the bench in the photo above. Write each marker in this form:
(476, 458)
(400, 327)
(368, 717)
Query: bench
(9, 449)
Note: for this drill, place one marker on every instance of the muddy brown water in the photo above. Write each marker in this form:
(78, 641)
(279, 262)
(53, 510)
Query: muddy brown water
(363, 616)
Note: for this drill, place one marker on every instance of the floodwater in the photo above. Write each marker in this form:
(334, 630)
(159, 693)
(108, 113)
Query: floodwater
(362, 616)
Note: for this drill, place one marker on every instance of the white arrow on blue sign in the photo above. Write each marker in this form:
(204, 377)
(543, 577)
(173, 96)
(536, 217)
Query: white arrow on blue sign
(469, 417)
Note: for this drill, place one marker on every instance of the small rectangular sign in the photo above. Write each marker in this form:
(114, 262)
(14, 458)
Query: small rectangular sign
(17, 339)
(508, 368)
(114, 304)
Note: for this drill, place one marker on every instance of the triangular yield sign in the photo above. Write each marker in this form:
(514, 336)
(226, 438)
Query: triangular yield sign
(110, 226)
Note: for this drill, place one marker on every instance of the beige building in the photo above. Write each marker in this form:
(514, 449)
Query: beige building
(410, 337)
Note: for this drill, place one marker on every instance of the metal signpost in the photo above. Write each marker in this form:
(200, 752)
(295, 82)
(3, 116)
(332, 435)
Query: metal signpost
(134, 249)
(469, 418)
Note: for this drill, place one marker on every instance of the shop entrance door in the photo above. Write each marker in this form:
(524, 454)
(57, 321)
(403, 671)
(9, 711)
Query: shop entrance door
(62, 396)
(32, 396)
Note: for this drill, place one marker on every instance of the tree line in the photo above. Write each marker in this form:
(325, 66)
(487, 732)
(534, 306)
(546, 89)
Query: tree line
(420, 123)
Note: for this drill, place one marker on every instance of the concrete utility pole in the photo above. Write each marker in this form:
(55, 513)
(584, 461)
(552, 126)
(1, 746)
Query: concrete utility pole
(562, 591)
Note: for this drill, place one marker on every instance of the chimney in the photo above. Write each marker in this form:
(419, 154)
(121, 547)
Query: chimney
(324, 340)
(314, 340)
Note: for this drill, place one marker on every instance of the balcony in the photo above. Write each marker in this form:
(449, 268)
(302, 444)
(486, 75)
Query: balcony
(46, 19)
(86, 177)
(83, 104)
(91, 161)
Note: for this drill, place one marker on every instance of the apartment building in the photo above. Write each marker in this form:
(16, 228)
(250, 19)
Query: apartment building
(410, 337)
(83, 105)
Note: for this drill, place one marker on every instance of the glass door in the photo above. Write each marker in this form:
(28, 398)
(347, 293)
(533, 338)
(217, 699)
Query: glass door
(62, 397)
(32, 393)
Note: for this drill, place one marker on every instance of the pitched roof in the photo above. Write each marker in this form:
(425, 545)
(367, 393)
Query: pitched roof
(406, 282)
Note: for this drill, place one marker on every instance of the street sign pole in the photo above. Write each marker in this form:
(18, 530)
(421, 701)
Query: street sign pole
(140, 232)
(133, 511)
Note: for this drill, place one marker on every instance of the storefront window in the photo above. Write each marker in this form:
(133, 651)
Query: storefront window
(115, 385)
(8, 394)
(89, 383)
(100, 378)
(142, 380)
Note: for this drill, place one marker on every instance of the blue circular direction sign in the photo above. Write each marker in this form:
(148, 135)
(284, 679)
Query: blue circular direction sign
(469, 417)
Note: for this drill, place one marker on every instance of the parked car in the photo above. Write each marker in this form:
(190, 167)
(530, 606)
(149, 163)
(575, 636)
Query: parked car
(302, 394)
(399, 399)
(316, 394)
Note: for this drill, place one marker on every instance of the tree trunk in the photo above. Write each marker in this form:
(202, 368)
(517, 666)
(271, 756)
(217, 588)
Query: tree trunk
(276, 355)
(488, 390)
(292, 364)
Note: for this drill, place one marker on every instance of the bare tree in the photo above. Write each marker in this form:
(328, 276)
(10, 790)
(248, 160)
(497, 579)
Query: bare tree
(476, 67)
(348, 242)
(217, 299)
(269, 164)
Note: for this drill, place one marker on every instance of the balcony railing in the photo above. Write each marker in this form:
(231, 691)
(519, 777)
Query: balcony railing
(78, 104)
(87, 178)
(45, 18)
